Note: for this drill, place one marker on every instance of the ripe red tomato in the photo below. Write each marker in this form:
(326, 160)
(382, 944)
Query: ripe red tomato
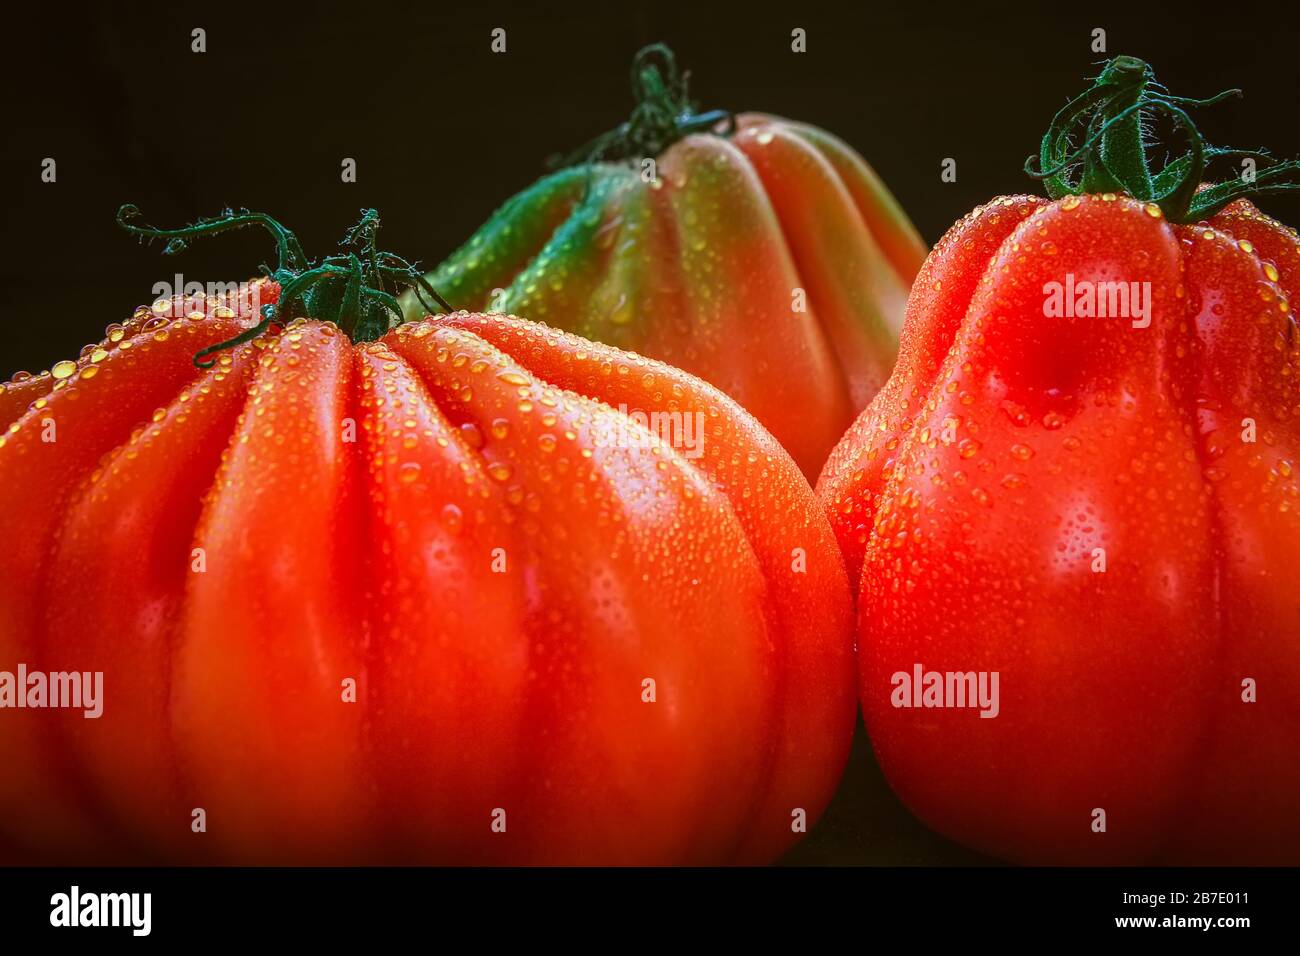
(1102, 509)
(467, 519)
(763, 255)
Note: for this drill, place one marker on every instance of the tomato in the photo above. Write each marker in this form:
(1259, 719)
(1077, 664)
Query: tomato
(760, 254)
(1099, 508)
(444, 596)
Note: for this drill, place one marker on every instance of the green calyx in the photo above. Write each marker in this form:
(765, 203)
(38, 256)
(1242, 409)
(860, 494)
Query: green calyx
(1113, 116)
(661, 115)
(350, 289)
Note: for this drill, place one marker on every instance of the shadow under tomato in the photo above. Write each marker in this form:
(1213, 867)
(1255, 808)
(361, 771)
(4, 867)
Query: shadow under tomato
(866, 825)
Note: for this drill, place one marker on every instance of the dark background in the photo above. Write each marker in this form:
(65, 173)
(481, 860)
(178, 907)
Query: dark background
(443, 131)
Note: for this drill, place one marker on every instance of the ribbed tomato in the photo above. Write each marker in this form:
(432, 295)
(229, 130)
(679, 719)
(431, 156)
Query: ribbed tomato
(1079, 483)
(760, 254)
(573, 637)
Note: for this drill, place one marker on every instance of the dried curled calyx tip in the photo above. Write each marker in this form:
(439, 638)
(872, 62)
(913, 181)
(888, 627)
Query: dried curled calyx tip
(1113, 118)
(350, 288)
(662, 114)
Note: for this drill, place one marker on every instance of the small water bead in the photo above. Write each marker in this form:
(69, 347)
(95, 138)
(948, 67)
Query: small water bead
(409, 472)
(512, 377)
(452, 518)
(471, 434)
(61, 370)
(500, 471)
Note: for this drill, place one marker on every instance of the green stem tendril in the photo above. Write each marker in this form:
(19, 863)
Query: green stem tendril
(661, 115)
(1112, 157)
(350, 289)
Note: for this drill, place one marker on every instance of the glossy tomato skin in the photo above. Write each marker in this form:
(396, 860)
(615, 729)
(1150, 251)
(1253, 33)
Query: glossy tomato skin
(773, 264)
(449, 519)
(1010, 453)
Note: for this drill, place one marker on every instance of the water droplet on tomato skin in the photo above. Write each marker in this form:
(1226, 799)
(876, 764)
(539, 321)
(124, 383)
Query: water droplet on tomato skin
(473, 437)
(452, 518)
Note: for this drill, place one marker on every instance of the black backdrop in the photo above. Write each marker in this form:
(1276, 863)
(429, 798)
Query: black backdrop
(443, 130)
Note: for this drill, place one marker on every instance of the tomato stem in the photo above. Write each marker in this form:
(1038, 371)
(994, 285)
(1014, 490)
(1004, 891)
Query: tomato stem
(1113, 116)
(349, 289)
(661, 115)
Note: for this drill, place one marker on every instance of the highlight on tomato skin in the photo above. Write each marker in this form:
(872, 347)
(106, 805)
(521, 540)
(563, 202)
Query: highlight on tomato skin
(443, 597)
(1099, 509)
(762, 254)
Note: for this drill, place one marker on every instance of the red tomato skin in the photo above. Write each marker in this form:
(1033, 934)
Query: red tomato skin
(974, 549)
(346, 504)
